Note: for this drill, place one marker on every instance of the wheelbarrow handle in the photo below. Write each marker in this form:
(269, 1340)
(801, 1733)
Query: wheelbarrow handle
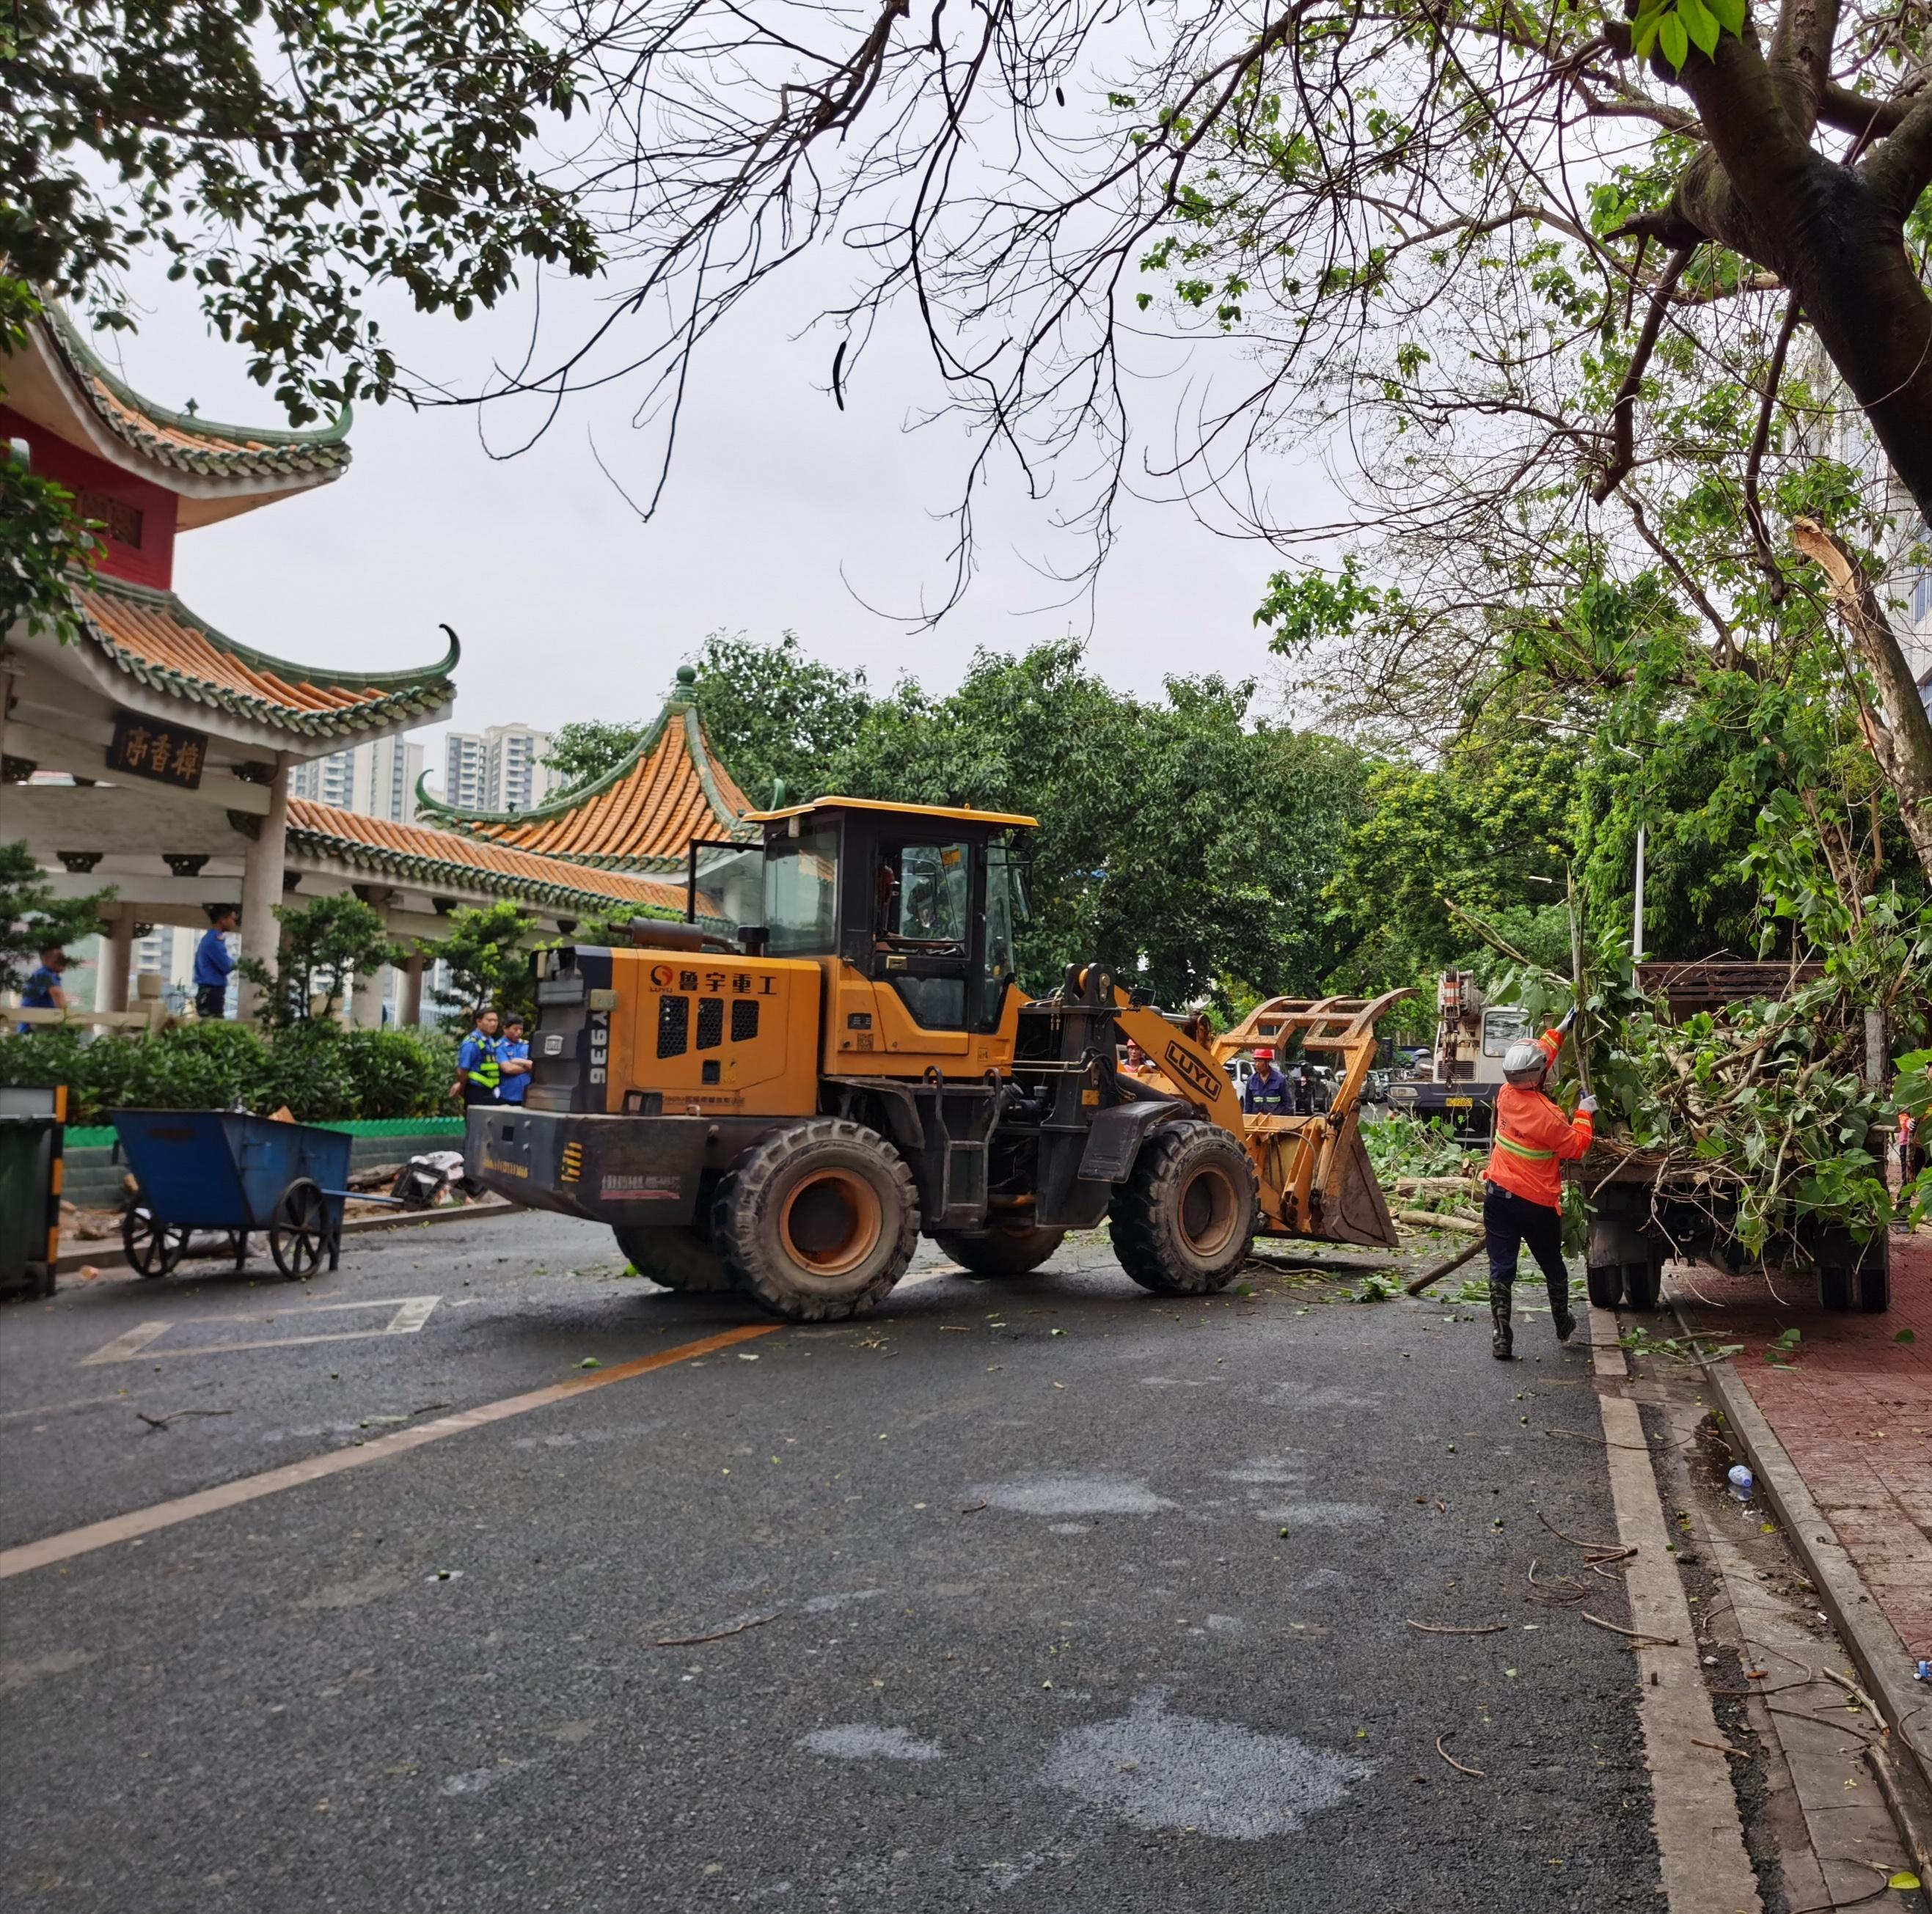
(366, 1196)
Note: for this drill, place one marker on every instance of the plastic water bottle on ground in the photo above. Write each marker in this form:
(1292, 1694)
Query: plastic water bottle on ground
(1740, 1482)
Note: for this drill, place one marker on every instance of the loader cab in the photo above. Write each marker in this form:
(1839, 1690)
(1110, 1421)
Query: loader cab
(922, 901)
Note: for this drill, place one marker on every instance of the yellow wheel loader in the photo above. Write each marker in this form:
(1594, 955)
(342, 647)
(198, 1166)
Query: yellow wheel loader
(787, 1113)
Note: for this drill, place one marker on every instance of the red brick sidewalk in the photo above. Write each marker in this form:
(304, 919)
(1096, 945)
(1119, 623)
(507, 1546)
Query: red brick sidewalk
(1854, 1412)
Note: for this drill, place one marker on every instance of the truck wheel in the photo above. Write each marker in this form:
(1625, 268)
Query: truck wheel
(678, 1258)
(1007, 1249)
(1182, 1224)
(1642, 1283)
(1605, 1282)
(1875, 1284)
(818, 1222)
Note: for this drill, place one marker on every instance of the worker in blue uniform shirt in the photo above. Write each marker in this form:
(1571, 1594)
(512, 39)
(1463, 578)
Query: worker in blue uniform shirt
(213, 961)
(479, 1072)
(1267, 1093)
(513, 1059)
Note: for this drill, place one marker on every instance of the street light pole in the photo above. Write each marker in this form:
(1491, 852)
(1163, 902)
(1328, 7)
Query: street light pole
(1637, 921)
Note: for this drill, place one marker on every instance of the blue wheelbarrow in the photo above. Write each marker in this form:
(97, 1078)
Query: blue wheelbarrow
(226, 1172)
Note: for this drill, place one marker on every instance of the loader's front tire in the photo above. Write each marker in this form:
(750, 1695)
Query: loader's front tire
(679, 1259)
(1006, 1249)
(1182, 1224)
(819, 1221)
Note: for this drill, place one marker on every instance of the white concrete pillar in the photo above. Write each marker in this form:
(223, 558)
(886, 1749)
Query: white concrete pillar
(117, 960)
(261, 886)
(365, 1001)
(409, 1000)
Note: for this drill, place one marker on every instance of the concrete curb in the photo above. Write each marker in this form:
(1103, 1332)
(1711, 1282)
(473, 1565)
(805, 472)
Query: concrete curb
(111, 1255)
(1884, 1664)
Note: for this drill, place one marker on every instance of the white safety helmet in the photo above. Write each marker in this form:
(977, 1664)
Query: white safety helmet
(1524, 1064)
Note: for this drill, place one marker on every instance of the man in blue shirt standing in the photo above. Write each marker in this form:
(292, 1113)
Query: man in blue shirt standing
(513, 1058)
(44, 990)
(213, 961)
(478, 1066)
(1267, 1093)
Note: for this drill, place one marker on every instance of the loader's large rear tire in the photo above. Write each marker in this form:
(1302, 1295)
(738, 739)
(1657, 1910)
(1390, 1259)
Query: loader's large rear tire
(679, 1259)
(1182, 1224)
(1007, 1249)
(819, 1221)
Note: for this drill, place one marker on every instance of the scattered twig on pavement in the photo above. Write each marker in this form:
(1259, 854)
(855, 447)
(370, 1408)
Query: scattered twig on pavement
(1635, 1634)
(429, 1409)
(1614, 1547)
(973, 1508)
(1549, 1592)
(1828, 1907)
(717, 1634)
(1637, 1449)
(1722, 1747)
(1615, 1555)
(1433, 1628)
(1458, 1766)
(176, 1415)
(1838, 1724)
(1850, 1687)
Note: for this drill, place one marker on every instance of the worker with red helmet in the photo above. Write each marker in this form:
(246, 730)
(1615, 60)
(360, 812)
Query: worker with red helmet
(1266, 1093)
(1522, 1182)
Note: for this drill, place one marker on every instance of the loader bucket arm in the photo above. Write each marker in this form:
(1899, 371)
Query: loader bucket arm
(1315, 1177)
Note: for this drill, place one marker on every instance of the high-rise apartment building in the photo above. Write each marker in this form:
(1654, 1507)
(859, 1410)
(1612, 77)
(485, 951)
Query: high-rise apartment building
(501, 768)
(378, 779)
(463, 770)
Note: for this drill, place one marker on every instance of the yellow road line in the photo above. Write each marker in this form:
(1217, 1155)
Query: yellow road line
(249, 1488)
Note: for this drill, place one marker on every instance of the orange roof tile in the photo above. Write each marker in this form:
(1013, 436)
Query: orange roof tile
(419, 852)
(154, 637)
(643, 813)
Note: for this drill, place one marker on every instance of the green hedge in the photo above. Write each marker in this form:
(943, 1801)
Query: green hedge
(322, 1072)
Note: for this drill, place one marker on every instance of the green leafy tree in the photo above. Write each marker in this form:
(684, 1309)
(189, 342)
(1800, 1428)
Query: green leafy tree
(777, 717)
(1176, 842)
(32, 917)
(485, 952)
(325, 943)
(589, 748)
(285, 157)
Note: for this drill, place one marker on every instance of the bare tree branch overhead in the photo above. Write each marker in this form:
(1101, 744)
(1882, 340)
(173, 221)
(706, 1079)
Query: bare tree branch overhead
(1553, 295)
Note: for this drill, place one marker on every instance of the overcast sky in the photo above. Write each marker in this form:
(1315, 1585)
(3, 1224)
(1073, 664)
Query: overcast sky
(781, 512)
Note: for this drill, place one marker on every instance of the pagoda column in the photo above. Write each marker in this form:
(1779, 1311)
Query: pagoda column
(365, 1001)
(409, 1000)
(262, 886)
(117, 959)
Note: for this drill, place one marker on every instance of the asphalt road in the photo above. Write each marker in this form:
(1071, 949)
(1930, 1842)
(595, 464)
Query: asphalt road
(1060, 1596)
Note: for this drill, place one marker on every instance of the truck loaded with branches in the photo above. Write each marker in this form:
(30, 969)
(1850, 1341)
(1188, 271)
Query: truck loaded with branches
(1745, 1110)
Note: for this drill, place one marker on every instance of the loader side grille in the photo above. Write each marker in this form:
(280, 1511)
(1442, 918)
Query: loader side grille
(673, 1025)
(744, 1020)
(710, 1022)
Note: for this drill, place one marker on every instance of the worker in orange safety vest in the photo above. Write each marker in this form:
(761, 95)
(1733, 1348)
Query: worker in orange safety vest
(1522, 1182)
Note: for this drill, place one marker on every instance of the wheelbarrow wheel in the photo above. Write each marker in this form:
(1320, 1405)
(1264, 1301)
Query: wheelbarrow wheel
(298, 1230)
(153, 1247)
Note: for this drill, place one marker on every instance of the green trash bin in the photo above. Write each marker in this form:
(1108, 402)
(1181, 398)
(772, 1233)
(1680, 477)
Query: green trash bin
(30, 1166)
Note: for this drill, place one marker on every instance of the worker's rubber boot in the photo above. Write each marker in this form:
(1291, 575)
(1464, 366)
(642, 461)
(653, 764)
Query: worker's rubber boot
(1561, 1320)
(1501, 1341)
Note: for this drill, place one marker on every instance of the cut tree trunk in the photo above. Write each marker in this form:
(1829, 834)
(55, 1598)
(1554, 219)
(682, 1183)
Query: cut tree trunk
(1901, 736)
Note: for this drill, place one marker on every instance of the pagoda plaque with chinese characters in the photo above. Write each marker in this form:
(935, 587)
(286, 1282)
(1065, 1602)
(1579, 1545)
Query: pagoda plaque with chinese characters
(169, 753)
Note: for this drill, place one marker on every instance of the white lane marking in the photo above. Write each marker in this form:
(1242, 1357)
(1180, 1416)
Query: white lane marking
(411, 1314)
(1694, 1806)
(60, 1408)
(125, 1349)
